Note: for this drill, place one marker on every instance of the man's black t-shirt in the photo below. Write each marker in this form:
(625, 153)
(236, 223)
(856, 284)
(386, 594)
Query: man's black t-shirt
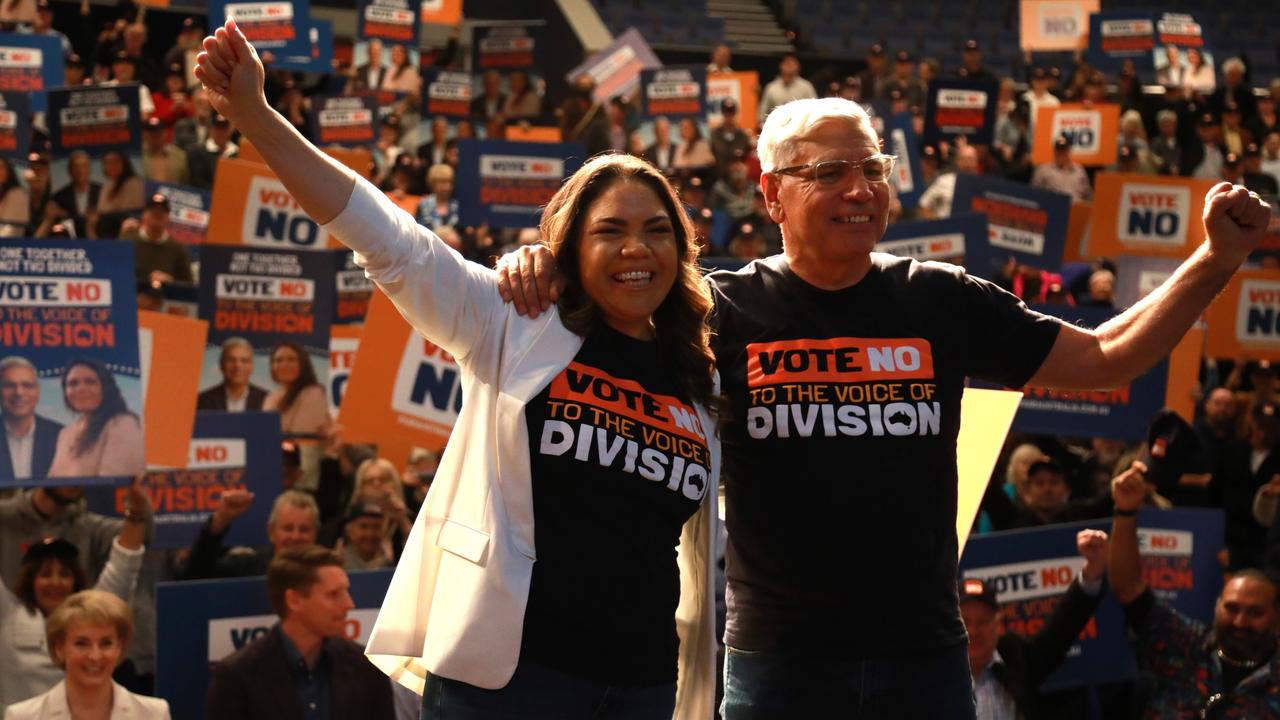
(619, 463)
(839, 448)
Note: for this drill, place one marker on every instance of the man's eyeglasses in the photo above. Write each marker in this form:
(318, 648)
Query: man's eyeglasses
(874, 169)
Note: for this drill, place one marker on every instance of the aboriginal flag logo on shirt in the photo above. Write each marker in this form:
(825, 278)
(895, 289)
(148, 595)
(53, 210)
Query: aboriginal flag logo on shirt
(841, 386)
(616, 423)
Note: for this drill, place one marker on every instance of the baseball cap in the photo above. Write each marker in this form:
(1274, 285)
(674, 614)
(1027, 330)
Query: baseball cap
(1062, 142)
(904, 56)
(970, 45)
(363, 510)
(1252, 150)
(976, 589)
(157, 200)
(728, 106)
(876, 49)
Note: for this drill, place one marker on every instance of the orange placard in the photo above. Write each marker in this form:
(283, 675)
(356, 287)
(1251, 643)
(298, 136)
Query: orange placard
(358, 159)
(1092, 129)
(743, 87)
(408, 203)
(1149, 215)
(1077, 232)
(171, 349)
(402, 386)
(250, 206)
(533, 133)
(1056, 24)
(442, 12)
(1184, 374)
(1245, 319)
(344, 341)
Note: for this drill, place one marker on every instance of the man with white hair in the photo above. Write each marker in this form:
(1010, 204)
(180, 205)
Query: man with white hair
(294, 520)
(235, 393)
(1233, 90)
(30, 440)
(843, 371)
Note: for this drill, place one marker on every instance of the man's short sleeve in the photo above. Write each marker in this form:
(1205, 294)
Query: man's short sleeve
(1007, 340)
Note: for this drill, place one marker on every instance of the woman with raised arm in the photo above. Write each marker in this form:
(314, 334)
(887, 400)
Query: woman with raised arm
(585, 441)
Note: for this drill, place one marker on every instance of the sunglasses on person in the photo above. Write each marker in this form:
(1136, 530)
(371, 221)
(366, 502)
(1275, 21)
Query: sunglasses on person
(830, 173)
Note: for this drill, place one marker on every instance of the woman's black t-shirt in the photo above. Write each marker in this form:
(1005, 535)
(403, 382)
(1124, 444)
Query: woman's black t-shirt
(619, 462)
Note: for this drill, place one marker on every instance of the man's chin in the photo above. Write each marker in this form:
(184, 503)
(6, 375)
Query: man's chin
(1251, 647)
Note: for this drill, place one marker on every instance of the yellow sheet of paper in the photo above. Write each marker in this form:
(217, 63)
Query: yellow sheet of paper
(985, 417)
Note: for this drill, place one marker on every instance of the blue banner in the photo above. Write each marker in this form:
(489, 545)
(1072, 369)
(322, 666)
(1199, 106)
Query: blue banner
(15, 125)
(269, 298)
(200, 623)
(673, 93)
(353, 290)
(1119, 35)
(948, 239)
(319, 56)
(506, 184)
(900, 139)
(31, 63)
(1030, 569)
(392, 21)
(447, 93)
(229, 451)
(960, 107)
(69, 333)
(188, 211)
(507, 47)
(1024, 223)
(95, 119)
(1121, 414)
(277, 26)
(348, 120)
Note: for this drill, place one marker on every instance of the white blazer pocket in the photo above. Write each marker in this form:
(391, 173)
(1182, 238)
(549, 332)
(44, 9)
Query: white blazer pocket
(467, 543)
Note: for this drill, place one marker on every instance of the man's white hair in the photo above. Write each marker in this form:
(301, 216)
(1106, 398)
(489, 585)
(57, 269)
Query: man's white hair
(788, 124)
(1231, 64)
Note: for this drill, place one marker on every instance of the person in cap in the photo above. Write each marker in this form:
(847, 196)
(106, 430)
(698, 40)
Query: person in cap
(872, 78)
(124, 69)
(729, 140)
(784, 88)
(1044, 499)
(184, 50)
(202, 161)
(162, 161)
(1255, 179)
(1008, 668)
(172, 101)
(363, 544)
(51, 570)
(734, 193)
(158, 258)
(42, 25)
(1166, 148)
(1232, 170)
(1207, 154)
(1228, 669)
(1234, 135)
(971, 67)
(1264, 119)
(902, 79)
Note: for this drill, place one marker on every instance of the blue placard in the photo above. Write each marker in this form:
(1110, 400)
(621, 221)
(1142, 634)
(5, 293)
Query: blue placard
(354, 290)
(1030, 569)
(188, 211)
(447, 93)
(674, 92)
(267, 297)
(506, 184)
(15, 125)
(1024, 223)
(507, 47)
(229, 451)
(95, 119)
(391, 21)
(945, 239)
(32, 63)
(1119, 35)
(319, 57)
(616, 67)
(348, 120)
(62, 301)
(199, 623)
(1121, 413)
(275, 26)
(900, 139)
(960, 107)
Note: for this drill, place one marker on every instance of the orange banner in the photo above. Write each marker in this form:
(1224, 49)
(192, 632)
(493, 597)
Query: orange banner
(1184, 374)
(1245, 319)
(1077, 232)
(442, 12)
(358, 159)
(344, 341)
(251, 207)
(171, 349)
(1092, 129)
(743, 87)
(533, 133)
(402, 386)
(1150, 215)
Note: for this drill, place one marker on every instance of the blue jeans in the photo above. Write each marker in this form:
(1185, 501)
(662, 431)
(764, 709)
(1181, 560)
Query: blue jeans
(541, 693)
(760, 685)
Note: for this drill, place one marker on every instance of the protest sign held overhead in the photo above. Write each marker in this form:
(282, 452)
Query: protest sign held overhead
(279, 26)
(344, 119)
(673, 92)
(69, 333)
(616, 68)
(395, 21)
(506, 184)
(252, 207)
(1244, 320)
(1157, 216)
(1025, 223)
(1091, 132)
(960, 108)
(31, 64)
(1055, 24)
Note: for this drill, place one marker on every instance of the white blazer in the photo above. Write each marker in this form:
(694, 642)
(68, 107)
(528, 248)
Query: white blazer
(456, 603)
(53, 706)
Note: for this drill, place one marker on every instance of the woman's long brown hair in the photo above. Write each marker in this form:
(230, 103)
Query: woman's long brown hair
(683, 335)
